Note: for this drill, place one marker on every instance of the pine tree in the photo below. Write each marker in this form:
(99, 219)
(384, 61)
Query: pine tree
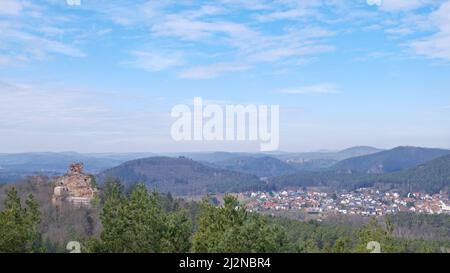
(146, 222)
(342, 245)
(231, 228)
(114, 225)
(177, 237)
(138, 223)
(18, 225)
(375, 232)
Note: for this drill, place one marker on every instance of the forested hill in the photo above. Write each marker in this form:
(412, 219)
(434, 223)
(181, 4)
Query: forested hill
(265, 166)
(397, 159)
(181, 176)
(432, 176)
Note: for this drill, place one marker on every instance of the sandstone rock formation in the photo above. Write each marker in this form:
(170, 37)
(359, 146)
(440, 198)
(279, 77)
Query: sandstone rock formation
(75, 187)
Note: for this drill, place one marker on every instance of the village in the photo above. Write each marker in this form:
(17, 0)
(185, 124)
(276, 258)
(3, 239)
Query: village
(362, 202)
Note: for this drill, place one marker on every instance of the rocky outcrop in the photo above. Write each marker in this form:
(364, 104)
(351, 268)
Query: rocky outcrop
(75, 187)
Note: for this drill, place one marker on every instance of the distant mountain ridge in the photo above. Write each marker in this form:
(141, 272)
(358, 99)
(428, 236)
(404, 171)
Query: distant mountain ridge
(316, 161)
(264, 166)
(14, 167)
(227, 171)
(181, 176)
(404, 168)
(213, 157)
(332, 155)
(397, 159)
(431, 176)
(52, 162)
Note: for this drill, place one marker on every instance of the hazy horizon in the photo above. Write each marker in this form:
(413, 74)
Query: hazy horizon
(256, 151)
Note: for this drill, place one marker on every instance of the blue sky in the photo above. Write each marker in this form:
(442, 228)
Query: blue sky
(103, 76)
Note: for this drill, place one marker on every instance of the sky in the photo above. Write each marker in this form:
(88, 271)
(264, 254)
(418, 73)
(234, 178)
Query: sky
(103, 76)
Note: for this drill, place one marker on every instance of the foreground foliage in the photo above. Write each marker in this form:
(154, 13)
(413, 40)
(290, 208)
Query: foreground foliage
(136, 220)
(18, 224)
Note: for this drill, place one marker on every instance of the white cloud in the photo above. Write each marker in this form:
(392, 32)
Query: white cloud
(398, 5)
(188, 26)
(11, 7)
(175, 25)
(153, 61)
(30, 34)
(438, 45)
(211, 71)
(243, 41)
(35, 46)
(323, 88)
(292, 14)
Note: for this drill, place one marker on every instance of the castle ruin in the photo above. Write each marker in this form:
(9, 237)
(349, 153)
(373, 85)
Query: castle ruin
(75, 187)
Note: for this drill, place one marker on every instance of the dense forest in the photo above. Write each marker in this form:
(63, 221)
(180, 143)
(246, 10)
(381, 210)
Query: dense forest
(132, 219)
(181, 176)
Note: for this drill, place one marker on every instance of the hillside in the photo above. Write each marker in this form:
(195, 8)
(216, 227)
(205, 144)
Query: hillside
(432, 176)
(207, 157)
(312, 164)
(334, 155)
(260, 166)
(393, 160)
(356, 151)
(180, 176)
(330, 179)
(313, 161)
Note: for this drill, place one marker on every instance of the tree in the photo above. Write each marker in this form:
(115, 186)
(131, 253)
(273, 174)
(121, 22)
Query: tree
(307, 246)
(146, 222)
(178, 232)
(255, 235)
(342, 245)
(113, 222)
(375, 232)
(137, 223)
(18, 225)
(231, 228)
(93, 181)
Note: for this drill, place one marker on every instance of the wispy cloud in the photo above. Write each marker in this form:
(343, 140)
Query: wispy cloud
(291, 14)
(211, 71)
(436, 46)
(400, 5)
(323, 88)
(209, 26)
(153, 61)
(271, 32)
(427, 33)
(11, 7)
(28, 33)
